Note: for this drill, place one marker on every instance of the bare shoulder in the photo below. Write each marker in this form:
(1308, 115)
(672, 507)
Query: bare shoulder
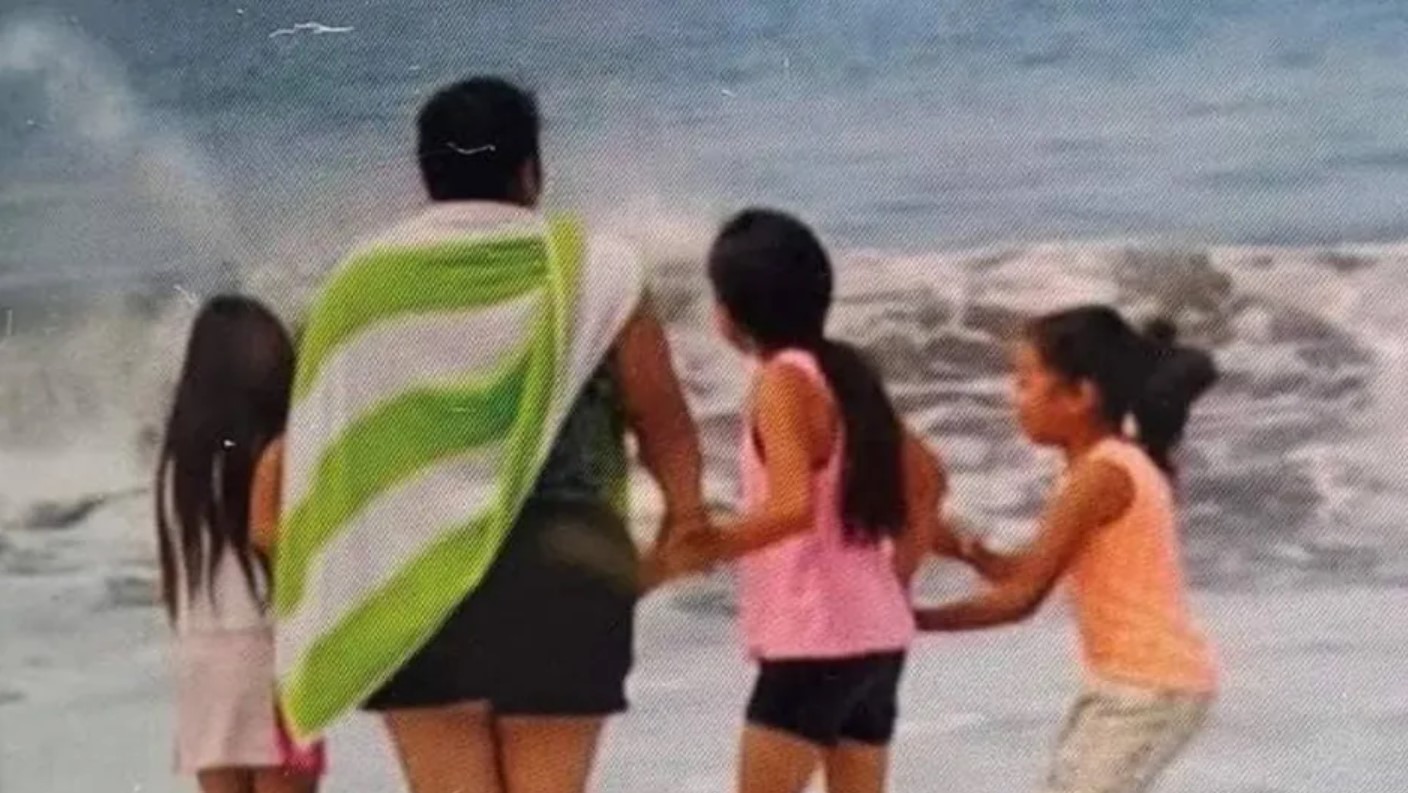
(1100, 489)
(922, 463)
(784, 387)
(787, 396)
(781, 379)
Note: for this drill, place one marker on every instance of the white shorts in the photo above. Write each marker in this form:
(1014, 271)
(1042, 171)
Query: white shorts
(1120, 738)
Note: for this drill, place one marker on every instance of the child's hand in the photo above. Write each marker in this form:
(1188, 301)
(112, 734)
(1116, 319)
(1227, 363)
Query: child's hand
(652, 572)
(693, 552)
(945, 540)
(657, 565)
(954, 538)
(928, 620)
(673, 526)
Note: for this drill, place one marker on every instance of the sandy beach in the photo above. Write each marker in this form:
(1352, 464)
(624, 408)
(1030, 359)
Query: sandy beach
(1313, 697)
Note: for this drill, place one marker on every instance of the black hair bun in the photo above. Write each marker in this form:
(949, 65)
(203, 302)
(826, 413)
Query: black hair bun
(1162, 331)
(1181, 375)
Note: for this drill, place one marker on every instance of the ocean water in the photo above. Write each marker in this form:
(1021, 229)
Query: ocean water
(1241, 166)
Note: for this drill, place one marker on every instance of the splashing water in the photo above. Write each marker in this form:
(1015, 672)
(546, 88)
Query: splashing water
(96, 114)
(1293, 466)
(90, 344)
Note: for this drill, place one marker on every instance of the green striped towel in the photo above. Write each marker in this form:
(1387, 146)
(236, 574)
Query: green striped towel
(435, 369)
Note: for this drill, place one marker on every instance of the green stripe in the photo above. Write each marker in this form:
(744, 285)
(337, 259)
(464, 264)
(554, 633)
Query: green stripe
(528, 447)
(344, 666)
(390, 445)
(565, 251)
(384, 283)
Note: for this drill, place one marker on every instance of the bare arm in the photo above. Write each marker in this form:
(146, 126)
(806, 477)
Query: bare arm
(780, 419)
(1098, 494)
(949, 540)
(989, 564)
(784, 432)
(659, 417)
(925, 488)
(265, 498)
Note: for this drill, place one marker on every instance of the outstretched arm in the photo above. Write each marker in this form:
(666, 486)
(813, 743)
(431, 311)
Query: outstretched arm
(659, 418)
(783, 434)
(989, 564)
(1097, 494)
(925, 488)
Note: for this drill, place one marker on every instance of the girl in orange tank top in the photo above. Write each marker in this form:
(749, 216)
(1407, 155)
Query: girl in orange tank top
(1081, 377)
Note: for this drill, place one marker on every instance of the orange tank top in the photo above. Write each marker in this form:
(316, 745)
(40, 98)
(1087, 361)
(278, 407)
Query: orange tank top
(1129, 592)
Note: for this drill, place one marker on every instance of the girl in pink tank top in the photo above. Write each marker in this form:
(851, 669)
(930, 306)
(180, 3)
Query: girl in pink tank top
(839, 505)
(1082, 376)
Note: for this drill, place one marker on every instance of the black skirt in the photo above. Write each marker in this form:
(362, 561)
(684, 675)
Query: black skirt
(550, 630)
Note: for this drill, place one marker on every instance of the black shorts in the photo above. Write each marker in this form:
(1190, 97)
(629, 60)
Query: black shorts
(549, 632)
(827, 702)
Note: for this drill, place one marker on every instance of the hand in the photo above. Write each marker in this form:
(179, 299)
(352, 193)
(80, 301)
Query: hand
(905, 570)
(956, 539)
(675, 525)
(693, 551)
(946, 542)
(656, 565)
(927, 620)
(652, 572)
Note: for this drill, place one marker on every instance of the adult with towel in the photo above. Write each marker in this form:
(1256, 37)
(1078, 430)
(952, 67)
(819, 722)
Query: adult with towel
(454, 553)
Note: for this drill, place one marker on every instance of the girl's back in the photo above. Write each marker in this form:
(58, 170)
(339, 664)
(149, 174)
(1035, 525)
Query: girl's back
(819, 594)
(222, 600)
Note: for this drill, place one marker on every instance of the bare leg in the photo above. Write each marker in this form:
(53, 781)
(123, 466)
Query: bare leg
(548, 755)
(226, 780)
(857, 768)
(775, 762)
(446, 750)
(274, 780)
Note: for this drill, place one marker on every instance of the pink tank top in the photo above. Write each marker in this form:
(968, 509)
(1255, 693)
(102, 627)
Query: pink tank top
(817, 594)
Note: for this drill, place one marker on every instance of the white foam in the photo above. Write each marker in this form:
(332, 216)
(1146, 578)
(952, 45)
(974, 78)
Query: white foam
(98, 116)
(91, 390)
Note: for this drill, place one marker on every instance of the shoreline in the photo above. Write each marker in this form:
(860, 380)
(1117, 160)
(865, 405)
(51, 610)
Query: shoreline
(1310, 701)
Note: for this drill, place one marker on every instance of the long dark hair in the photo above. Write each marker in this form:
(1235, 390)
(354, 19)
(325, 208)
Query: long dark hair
(772, 275)
(231, 402)
(1144, 375)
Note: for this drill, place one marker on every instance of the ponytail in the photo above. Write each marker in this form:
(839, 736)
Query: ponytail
(1175, 378)
(873, 502)
(774, 280)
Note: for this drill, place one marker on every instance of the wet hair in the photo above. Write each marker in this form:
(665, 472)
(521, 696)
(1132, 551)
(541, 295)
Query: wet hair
(1144, 375)
(772, 275)
(474, 137)
(232, 400)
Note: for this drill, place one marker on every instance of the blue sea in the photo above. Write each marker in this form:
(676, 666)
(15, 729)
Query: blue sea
(910, 125)
(1242, 166)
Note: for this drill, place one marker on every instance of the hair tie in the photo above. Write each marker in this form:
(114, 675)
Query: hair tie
(1130, 427)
